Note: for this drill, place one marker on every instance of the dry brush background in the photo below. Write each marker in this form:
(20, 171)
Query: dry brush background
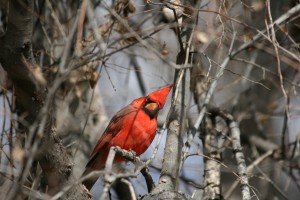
(230, 130)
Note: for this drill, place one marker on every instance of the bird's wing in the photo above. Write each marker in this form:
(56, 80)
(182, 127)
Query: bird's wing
(98, 156)
(113, 128)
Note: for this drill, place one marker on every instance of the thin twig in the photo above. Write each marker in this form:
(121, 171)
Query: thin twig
(238, 152)
(249, 170)
(284, 133)
(210, 91)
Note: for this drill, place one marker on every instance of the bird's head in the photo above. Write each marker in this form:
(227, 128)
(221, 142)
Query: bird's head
(159, 96)
(152, 103)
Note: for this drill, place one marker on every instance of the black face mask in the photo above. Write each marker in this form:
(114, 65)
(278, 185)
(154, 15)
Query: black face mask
(151, 108)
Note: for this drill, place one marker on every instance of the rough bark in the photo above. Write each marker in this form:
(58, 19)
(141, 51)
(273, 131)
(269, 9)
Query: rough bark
(34, 105)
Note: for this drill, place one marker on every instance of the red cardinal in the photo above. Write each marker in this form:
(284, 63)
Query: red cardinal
(132, 128)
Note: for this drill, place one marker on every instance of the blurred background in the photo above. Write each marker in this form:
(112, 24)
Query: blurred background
(124, 49)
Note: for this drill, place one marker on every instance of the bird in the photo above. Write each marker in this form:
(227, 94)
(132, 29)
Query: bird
(132, 128)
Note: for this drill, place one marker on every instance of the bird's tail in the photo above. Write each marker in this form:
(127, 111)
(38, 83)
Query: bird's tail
(94, 164)
(88, 183)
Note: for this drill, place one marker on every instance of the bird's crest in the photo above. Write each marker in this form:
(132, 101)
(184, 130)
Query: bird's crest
(160, 96)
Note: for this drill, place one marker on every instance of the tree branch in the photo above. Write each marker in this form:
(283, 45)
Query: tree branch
(31, 92)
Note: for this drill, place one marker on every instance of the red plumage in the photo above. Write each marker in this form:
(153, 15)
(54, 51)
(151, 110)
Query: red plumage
(132, 128)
